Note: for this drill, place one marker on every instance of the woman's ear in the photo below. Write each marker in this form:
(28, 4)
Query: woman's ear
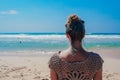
(68, 36)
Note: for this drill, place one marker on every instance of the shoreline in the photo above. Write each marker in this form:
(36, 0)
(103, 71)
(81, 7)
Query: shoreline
(104, 52)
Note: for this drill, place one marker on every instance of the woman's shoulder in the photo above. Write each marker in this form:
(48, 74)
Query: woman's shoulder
(96, 59)
(94, 55)
(55, 56)
(54, 59)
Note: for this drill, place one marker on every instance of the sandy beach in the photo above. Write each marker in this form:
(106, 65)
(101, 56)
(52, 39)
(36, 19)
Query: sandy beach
(24, 67)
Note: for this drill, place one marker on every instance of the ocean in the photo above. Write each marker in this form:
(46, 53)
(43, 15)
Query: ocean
(54, 41)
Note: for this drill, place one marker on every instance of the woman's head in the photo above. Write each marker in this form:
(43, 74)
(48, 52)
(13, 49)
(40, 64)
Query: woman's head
(75, 28)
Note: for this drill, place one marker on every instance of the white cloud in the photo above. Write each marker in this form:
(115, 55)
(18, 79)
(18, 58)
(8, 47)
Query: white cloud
(9, 12)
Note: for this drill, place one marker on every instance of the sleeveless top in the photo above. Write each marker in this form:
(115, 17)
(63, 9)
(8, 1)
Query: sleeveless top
(81, 70)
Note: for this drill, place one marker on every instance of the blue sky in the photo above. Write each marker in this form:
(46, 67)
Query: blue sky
(100, 16)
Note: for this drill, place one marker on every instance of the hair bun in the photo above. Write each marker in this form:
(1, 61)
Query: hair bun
(75, 27)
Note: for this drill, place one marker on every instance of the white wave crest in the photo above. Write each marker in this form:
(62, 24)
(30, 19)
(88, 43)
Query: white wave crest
(52, 36)
(102, 36)
(41, 37)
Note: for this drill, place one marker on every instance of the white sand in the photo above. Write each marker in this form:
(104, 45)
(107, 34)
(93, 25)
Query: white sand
(24, 68)
(36, 67)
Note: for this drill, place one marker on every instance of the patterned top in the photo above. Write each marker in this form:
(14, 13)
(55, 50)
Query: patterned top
(81, 70)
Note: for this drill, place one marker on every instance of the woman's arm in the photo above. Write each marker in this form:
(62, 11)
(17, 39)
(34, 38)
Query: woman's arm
(98, 75)
(53, 74)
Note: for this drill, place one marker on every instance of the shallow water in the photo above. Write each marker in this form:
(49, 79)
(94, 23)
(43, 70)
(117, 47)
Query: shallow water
(53, 41)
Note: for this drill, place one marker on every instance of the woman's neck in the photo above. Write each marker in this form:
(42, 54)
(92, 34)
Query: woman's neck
(77, 45)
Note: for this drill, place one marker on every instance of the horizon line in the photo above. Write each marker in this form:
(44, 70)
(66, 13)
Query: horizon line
(50, 33)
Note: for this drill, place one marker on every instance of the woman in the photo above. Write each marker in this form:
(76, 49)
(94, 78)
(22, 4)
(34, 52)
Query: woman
(75, 63)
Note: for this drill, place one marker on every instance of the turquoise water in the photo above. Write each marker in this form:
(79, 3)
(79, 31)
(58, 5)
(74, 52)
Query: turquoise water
(53, 41)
